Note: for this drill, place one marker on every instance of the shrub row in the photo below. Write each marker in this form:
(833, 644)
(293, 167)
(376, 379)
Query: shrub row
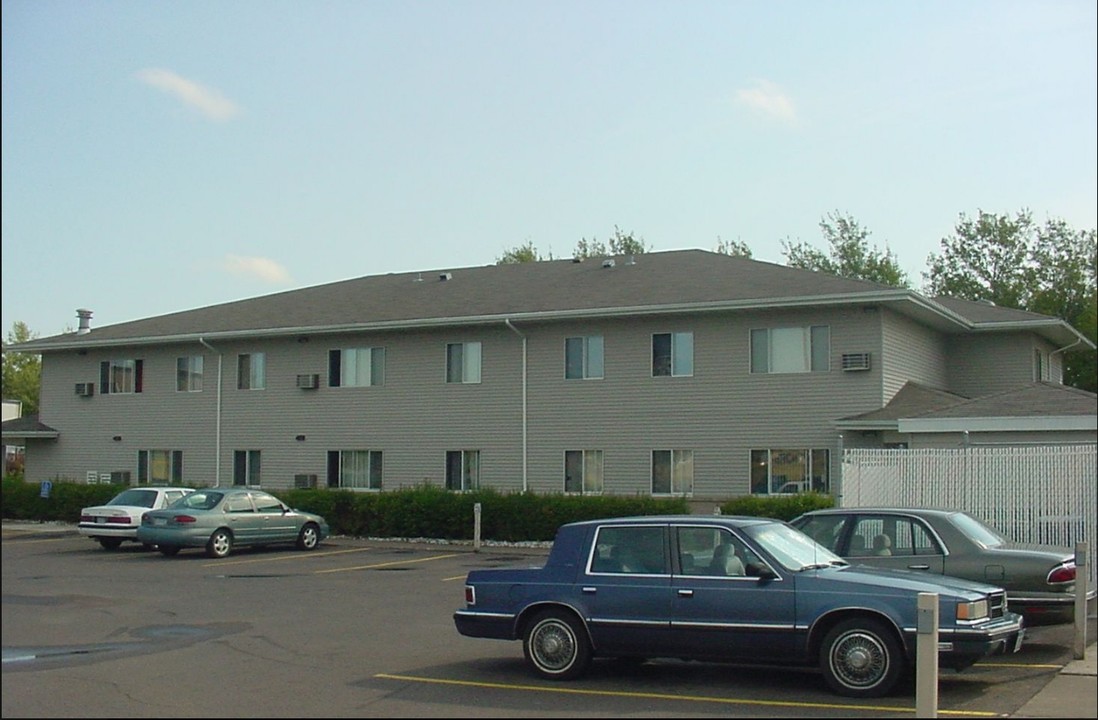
(422, 512)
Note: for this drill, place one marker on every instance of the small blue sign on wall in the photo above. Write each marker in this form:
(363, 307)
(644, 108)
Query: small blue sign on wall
(46, 487)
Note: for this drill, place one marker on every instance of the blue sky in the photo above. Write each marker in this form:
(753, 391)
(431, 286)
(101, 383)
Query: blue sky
(162, 156)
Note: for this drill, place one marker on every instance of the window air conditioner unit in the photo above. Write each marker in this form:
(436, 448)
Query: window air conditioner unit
(304, 482)
(308, 382)
(85, 389)
(855, 361)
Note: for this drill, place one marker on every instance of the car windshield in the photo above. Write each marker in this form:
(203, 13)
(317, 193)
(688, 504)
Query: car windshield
(977, 531)
(136, 498)
(200, 500)
(791, 547)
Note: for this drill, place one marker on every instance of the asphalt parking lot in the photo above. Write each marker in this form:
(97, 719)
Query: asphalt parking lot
(364, 628)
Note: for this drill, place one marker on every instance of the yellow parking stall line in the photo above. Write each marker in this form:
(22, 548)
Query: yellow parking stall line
(295, 556)
(387, 564)
(455, 577)
(679, 698)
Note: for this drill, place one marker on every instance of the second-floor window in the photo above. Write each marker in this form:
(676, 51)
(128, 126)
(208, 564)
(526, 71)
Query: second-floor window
(188, 374)
(583, 357)
(583, 471)
(120, 376)
(356, 367)
(355, 469)
(791, 349)
(673, 354)
(463, 362)
(251, 371)
(159, 467)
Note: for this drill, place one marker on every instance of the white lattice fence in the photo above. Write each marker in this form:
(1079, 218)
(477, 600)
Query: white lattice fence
(1041, 494)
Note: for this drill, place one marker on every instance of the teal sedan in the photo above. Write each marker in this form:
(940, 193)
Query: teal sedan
(220, 519)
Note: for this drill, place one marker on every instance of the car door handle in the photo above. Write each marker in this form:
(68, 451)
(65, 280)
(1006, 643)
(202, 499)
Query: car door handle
(589, 590)
(918, 567)
(685, 592)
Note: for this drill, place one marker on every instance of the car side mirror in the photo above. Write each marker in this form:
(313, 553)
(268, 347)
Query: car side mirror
(763, 572)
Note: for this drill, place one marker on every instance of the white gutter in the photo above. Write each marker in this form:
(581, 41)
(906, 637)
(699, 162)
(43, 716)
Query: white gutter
(507, 322)
(217, 441)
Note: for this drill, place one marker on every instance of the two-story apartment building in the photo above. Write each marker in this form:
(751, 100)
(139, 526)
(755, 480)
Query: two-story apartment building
(669, 373)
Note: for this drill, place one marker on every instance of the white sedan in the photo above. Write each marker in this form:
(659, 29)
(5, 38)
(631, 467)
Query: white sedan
(118, 520)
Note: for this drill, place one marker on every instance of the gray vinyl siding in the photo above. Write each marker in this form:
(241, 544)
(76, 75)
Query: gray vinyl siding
(985, 364)
(720, 413)
(911, 352)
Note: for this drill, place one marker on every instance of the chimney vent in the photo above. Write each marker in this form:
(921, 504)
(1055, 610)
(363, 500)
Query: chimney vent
(445, 276)
(85, 322)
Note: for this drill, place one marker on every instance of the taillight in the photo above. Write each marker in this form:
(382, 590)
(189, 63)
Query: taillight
(87, 518)
(122, 520)
(1063, 574)
(470, 595)
(184, 519)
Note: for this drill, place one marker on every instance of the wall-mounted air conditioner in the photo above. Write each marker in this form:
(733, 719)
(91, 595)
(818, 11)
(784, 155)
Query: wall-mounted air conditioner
(85, 389)
(304, 482)
(308, 382)
(855, 361)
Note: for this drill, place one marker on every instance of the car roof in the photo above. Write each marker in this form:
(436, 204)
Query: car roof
(715, 520)
(926, 512)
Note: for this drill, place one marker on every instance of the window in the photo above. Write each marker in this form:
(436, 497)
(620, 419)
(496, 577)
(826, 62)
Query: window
(583, 358)
(463, 362)
(1040, 368)
(356, 367)
(267, 503)
(636, 549)
(251, 371)
(188, 374)
(246, 467)
(780, 472)
(583, 471)
(159, 467)
(462, 469)
(791, 350)
(672, 472)
(673, 354)
(354, 469)
(120, 376)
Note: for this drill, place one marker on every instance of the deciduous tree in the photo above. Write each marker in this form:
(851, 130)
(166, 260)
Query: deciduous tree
(849, 254)
(22, 371)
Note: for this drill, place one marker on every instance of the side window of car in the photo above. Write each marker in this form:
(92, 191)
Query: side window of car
(868, 538)
(631, 550)
(239, 504)
(266, 503)
(923, 542)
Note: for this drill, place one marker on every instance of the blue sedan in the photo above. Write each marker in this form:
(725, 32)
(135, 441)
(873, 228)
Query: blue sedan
(219, 519)
(743, 590)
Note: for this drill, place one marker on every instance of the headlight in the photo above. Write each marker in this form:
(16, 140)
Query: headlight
(972, 611)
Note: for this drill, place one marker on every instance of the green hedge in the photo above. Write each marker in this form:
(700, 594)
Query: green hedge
(422, 512)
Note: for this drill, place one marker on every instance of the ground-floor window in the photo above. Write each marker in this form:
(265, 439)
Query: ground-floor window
(159, 467)
(781, 472)
(462, 469)
(583, 471)
(246, 467)
(355, 469)
(672, 472)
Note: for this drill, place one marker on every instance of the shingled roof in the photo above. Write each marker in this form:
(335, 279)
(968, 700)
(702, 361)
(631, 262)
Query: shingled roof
(673, 281)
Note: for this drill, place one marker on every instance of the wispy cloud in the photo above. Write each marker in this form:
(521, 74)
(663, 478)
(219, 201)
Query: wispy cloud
(206, 100)
(769, 99)
(265, 269)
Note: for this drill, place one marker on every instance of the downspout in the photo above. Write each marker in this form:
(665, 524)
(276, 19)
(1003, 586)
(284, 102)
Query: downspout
(1060, 350)
(525, 484)
(217, 422)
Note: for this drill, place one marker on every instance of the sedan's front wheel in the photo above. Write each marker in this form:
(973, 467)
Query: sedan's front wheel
(220, 544)
(556, 645)
(309, 537)
(861, 657)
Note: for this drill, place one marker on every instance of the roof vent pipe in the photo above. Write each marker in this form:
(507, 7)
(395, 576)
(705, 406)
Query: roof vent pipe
(85, 317)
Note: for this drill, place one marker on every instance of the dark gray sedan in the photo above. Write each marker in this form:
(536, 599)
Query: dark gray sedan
(1039, 579)
(219, 519)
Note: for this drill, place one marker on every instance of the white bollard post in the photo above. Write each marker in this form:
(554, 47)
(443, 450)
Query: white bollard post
(1082, 580)
(926, 657)
(476, 527)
